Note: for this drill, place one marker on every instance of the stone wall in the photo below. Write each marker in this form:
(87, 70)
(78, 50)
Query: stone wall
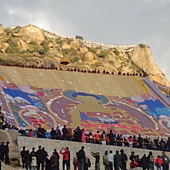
(50, 145)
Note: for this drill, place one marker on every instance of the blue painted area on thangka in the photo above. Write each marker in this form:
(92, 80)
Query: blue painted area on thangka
(85, 117)
(21, 122)
(155, 107)
(73, 94)
(34, 100)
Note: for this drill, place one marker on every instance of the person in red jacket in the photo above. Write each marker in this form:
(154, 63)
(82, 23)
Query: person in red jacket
(158, 162)
(97, 137)
(65, 154)
(133, 164)
(31, 133)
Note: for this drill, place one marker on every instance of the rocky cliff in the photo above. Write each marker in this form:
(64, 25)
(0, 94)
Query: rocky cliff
(33, 46)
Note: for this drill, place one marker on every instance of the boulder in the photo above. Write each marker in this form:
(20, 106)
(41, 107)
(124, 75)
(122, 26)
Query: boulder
(2, 51)
(83, 50)
(50, 45)
(37, 54)
(32, 32)
(4, 46)
(74, 44)
(88, 57)
(26, 39)
(22, 45)
(49, 62)
(65, 46)
(54, 52)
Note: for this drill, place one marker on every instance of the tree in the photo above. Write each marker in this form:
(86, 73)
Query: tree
(102, 54)
(79, 37)
(116, 51)
(8, 31)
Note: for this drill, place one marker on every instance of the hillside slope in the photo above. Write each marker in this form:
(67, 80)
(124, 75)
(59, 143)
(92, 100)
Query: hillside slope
(32, 46)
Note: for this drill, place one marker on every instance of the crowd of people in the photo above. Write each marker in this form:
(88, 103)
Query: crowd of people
(40, 160)
(146, 162)
(79, 135)
(4, 122)
(2, 119)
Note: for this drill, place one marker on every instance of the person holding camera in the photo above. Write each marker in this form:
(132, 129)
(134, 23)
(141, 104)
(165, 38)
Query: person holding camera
(65, 153)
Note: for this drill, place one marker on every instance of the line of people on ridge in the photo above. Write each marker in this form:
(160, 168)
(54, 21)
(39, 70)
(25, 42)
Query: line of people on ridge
(38, 160)
(119, 161)
(4, 153)
(79, 135)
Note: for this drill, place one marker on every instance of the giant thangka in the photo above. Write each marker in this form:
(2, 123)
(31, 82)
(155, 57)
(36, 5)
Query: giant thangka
(51, 98)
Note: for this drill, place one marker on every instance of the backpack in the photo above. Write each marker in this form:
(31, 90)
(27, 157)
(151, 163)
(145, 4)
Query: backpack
(81, 154)
(133, 165)
(156, 164)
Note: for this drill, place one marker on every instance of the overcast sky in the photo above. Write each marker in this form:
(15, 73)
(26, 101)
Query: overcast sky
(122, 22)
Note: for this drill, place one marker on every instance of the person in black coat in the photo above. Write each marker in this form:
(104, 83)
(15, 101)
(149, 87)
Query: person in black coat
(117, 161)
(79, 134)
(7, 153)
(53, 133)
(138, 160)
(65, 133)
(2, 150)
(123, 159)
(140, 141)
(75, 137)
(45, 154)
(144, 162)
(168, 143)
(40, 132)
(97, 160)
(27, 160)
(0, 160)
(33, 151)
(48, 165)
(40, 158)
(58, 133)
(132, 156)
(23, 153)
(58, 157)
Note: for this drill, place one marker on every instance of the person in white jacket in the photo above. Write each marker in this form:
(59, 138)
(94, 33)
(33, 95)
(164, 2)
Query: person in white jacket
(110, 159)
(33, 162)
